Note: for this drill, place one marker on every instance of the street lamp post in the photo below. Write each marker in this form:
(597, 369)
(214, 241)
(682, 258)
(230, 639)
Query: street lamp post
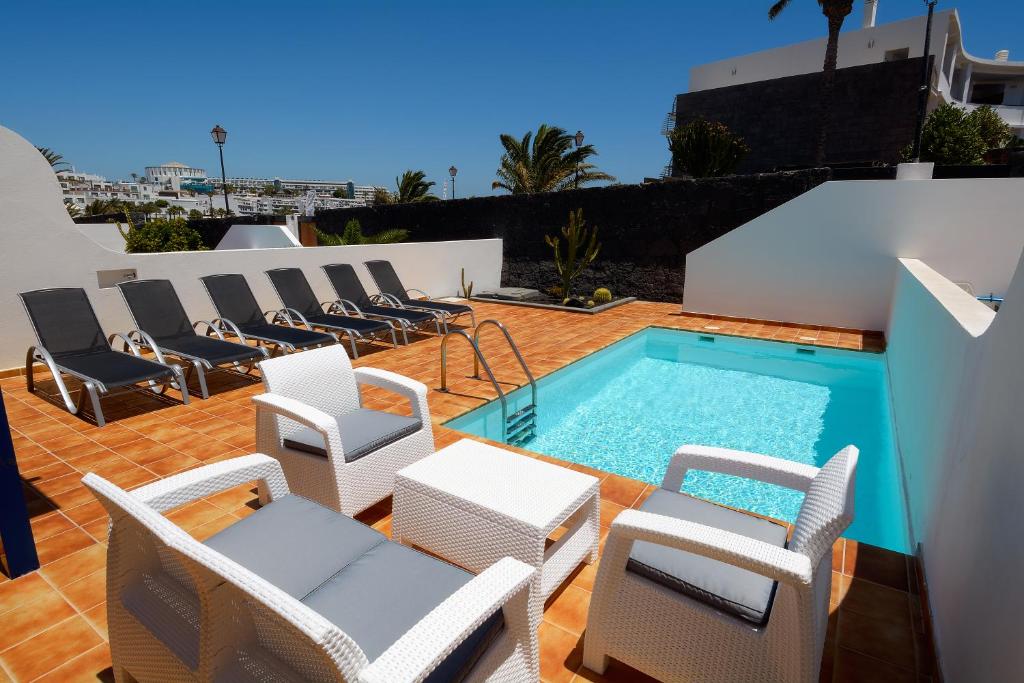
(452, 171)
(220, 136)
(579, 143)
(922, 97)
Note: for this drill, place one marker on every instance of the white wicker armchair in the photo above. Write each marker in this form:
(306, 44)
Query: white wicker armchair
(180, 610)
(313, 397)
(679, 636)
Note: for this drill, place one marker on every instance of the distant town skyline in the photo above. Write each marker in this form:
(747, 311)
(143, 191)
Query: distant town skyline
(366, 92)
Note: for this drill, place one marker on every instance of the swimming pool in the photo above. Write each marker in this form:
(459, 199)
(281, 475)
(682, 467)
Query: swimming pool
(625, 409)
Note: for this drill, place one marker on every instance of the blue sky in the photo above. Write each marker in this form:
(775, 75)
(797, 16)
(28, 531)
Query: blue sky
(364, 91)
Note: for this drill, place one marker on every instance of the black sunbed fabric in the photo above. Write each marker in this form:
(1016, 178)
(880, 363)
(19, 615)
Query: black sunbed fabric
(297, 337)
(214, 351)
(233, 299)
(383, 273)
(113, 368)
(442, 306)
(362, 325)
(65, 321)
(348, 286)
(157, 309)
(293, 288)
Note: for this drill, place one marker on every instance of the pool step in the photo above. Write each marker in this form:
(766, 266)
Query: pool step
(521, 426)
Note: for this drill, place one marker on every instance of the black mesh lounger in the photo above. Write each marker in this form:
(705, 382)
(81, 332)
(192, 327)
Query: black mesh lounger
(391, 288)
(300, 301)
(352, 294)
(71, 342)
(163, 326)
(241, 316)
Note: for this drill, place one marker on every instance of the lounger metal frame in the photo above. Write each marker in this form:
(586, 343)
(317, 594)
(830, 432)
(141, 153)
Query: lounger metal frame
(342, 305)
(92, 387)
(391, 300)
(280, 317)
(197, 365)
(353, 335)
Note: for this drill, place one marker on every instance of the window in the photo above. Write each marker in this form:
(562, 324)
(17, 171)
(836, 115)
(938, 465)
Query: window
(988, 93)
(895, 55)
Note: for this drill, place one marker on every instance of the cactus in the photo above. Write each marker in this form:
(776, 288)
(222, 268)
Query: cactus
(467, 292)
(581, 248)
(131, 225)
(602, 296)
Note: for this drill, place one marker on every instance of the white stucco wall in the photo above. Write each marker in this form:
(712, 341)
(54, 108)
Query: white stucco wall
(828, 257)
(956, 373)
(41, 247)
(856, 48)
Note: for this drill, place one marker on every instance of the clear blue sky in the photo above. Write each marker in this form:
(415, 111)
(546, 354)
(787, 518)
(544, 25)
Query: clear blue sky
(363, 91)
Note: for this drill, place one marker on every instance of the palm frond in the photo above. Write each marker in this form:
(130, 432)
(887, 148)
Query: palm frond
(776, 9)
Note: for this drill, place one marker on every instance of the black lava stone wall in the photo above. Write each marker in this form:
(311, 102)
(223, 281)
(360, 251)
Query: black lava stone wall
(873, 117)
(645, 230)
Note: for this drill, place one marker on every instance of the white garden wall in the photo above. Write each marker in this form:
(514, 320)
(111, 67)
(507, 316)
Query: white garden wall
(956, 372)
(828, 257)
(40, 247)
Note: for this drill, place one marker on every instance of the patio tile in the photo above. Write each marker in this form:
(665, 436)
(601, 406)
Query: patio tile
(97, 618)
(875, 564)
(87, 592)
(559, 655)
(17, 592)
(874, 600)
(32, 618)
(621, 490)
(609, 511)
(877, 638)
(63, 544)
(75, 566)
(854, 667)
(567, 609)
(50, 649)
(90, 667)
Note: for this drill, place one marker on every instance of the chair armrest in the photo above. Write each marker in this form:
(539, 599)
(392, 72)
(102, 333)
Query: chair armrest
(304, 414)
(778, 564)
(144, 340)
(210, 327)
(209, 479)
(419, 291)
(415, 391)
(792, 475)
(418, 652)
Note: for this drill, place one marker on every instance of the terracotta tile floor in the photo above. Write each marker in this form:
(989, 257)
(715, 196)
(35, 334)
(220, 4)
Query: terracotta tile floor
(54, 620)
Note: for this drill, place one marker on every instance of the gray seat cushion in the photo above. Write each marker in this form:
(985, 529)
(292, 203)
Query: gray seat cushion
(383, 593)
(373, 589)
(284, 542)
(721, 586)
(363, 431)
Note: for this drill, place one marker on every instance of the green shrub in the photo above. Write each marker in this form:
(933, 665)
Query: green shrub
(353, 234)
(161, 234)
(705, 149)
(602, 296)
(995, 132)
(951, 137)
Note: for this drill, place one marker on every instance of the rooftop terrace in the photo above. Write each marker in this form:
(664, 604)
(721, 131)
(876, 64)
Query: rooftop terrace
(55, 619)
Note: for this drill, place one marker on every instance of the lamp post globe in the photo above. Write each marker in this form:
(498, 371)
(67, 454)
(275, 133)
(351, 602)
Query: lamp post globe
(220, 136)
(579, 143)
(452, 171)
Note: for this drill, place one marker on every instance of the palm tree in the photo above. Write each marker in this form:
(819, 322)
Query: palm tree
(55, 160)
(174, 211)
(99, 207)
(835, 11)
(545, 162)
(412, 186)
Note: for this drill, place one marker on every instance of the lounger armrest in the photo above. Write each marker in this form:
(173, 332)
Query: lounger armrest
(391, 300)
(415, 391)
(766, 468)
(778, 564)
(132, 346)
(210, 326)
(418, 652)
(307, 415)
(224, 323)
(345, 304)
(209, 479)
(419, 291)
(292, 312)
(143, 339)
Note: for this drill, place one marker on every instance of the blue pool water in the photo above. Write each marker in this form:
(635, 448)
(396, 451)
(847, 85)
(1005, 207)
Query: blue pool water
(626, 408)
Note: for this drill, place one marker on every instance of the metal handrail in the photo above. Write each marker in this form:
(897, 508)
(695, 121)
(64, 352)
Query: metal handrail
(515, 350)
(477, 359)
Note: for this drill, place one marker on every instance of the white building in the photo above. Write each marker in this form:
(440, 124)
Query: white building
(362, 193)
(174, 173)
(960, 77)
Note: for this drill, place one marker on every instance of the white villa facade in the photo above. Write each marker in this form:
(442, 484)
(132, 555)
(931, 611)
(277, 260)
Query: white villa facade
(959, 77)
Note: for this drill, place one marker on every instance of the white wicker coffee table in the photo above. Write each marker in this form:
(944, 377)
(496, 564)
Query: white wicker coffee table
(474, 504)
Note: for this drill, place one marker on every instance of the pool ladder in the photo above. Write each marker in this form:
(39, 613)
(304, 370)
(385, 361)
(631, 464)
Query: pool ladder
(520, 426)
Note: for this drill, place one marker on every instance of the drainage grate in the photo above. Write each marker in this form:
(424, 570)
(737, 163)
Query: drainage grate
(807, 352)
(705, 338)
